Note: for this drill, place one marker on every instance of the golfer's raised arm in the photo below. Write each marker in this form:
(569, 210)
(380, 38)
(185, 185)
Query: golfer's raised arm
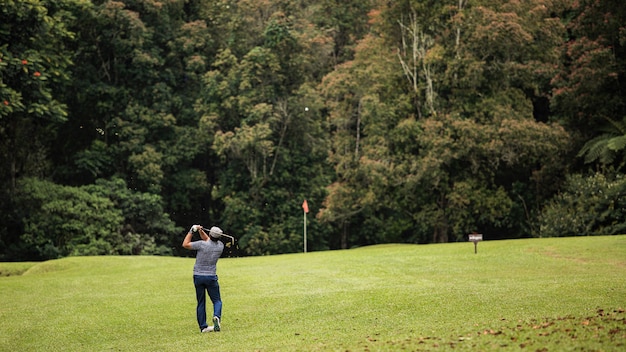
(187, 240)
(203, 234)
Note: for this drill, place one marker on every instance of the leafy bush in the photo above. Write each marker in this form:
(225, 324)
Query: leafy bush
(147, 228)
(259, 242)
(588, 205)
(100, 219)
(61, 220)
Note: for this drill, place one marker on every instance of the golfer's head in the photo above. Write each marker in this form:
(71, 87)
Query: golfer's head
(215, 232)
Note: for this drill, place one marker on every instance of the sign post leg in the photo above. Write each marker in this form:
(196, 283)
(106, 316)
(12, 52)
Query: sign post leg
(475, 237)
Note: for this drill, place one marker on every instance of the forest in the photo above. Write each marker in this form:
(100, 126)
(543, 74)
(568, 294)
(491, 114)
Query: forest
(123, 123)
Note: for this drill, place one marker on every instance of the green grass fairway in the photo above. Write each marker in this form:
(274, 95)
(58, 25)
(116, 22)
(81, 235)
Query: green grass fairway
(534, 295)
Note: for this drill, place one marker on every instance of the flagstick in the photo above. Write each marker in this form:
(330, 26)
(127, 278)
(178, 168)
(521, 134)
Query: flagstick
(305, 207)
(304, 231)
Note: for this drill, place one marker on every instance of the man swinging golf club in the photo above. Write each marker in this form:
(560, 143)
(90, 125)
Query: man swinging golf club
(209, 249)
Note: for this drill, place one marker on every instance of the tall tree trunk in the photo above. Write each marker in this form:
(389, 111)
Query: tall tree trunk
(440, 231)
(358, 130)
(13, 153)
(457, 41)
(412, 55)
(344, 235)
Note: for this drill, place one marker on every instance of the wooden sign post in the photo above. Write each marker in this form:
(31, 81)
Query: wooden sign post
(475, 237)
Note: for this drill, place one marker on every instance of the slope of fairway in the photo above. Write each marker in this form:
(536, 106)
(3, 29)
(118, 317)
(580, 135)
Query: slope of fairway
(558, 294)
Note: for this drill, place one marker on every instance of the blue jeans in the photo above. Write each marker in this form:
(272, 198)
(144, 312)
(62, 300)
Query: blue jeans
(212, 287)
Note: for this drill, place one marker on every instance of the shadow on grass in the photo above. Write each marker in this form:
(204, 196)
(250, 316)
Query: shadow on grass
(15, 269)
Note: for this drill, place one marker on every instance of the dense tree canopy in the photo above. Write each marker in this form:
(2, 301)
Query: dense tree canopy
(122, 123)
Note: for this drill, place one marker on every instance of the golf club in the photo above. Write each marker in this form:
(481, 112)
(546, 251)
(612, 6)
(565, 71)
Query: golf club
(232, 239)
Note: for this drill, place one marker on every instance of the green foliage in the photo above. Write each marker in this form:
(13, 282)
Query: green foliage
(188, 187)
(268, 133)
(588, 90)
(406, 121)
(34, 58)
(34, 69)
(100, 219)
(606, 147)
(462, 160)
(346, 21)
(63, 220)
(437, 137)
(146, 227)
(273, 242)
(587, 205)
(472, 207)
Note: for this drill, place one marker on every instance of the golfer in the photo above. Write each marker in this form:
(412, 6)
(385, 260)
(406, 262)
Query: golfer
(209, 249)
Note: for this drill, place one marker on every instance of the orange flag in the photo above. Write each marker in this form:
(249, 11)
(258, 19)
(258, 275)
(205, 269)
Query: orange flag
(305, 206)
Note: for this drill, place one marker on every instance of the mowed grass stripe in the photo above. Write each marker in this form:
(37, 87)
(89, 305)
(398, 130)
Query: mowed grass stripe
(386, 297)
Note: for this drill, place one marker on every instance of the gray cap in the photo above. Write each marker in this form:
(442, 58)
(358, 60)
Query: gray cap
(215, 232)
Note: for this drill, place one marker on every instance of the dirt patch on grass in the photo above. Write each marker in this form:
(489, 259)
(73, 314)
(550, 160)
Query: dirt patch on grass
(554, 254)
(603, 331)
